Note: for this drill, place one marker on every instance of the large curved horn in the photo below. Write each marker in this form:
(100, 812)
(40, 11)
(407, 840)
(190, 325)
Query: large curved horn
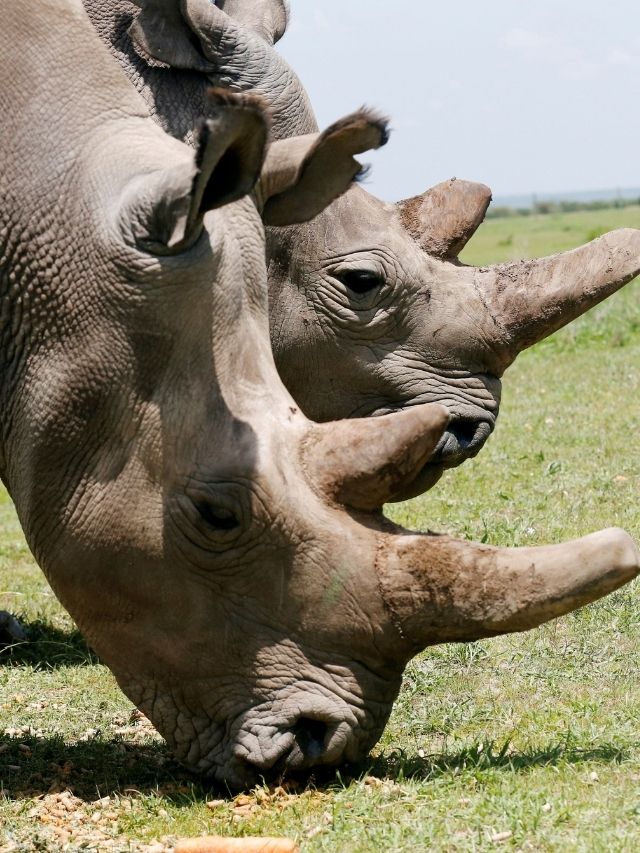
(443, 590)
(267, 18)
(525, 300)
(444, 218)
(528, 300)
(364, 463)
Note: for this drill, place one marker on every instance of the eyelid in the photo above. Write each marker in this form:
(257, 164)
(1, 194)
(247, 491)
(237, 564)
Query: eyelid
(371, 269)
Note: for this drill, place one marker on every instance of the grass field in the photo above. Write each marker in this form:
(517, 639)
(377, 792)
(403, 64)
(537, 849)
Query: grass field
(528, 742)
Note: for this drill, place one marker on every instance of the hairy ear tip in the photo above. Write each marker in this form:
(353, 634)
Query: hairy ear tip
(241, 110)
(366, 127)
(378, 121)
(363, 173)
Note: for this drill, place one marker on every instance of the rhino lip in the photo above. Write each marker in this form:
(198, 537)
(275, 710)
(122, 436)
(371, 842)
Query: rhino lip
(463, 440)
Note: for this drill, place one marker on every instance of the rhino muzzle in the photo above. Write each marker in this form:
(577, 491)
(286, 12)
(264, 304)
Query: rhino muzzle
(308, 723)
(309, 731)
(463, 440)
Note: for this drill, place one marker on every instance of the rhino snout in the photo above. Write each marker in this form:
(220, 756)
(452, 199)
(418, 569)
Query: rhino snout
(462, 440)
(311, 741)
(308, 730)
(311, 734)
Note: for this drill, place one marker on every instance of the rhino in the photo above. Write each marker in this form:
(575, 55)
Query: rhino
(224, 555)
(370, 309)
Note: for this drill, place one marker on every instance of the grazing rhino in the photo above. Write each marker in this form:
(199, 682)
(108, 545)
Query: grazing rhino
(370, 309)
(225, 556)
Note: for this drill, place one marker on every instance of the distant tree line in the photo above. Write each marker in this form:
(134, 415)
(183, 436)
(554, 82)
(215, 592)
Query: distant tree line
(544, 207)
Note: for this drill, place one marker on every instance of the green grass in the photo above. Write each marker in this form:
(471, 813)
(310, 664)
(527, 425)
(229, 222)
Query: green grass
(535, 236)
(528, 742)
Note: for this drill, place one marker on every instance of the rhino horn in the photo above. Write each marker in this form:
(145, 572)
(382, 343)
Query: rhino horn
(445, 590)
(267, 18)
(444, 218)
(363, 463)
(528, 300)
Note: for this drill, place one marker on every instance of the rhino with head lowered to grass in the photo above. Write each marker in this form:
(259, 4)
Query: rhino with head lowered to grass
(370, 309)
(225, 556)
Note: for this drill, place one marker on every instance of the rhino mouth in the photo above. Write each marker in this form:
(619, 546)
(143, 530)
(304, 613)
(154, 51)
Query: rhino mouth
(463, 440)
(306, 727)
(309, 731)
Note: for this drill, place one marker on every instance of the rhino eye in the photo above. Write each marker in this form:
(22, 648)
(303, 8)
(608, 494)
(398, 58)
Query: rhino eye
(217, 517)
(360, 281)
(213, 514)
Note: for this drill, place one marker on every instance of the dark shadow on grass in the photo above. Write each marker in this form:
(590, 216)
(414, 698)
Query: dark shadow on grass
(398, 765)
(46, 647)
(31, 766)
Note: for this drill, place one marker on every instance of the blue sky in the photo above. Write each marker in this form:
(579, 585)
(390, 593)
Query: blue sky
(538, 96)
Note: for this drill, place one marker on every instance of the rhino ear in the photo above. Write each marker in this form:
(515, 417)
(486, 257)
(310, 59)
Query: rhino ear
(267, 18)
(162, 36)
(304, 174)
(225, 166)
(198, 35)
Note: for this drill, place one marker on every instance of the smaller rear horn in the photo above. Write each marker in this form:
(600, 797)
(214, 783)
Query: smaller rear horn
(364, 463)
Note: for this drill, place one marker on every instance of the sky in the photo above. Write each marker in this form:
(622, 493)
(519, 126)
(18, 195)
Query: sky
(528, 97)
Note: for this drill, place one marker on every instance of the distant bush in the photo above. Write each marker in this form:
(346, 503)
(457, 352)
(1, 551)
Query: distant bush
(545, 207)
(501, 212)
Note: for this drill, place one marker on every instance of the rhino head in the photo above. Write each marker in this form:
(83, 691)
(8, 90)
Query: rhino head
(370, 309)
(224, 555)
(372, 312)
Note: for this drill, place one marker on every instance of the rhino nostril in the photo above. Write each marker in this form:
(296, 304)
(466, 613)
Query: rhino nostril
(464, 430)
(463, 439)
(310, 735)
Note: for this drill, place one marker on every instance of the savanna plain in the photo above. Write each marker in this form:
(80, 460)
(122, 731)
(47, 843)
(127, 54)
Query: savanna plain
(527, 742)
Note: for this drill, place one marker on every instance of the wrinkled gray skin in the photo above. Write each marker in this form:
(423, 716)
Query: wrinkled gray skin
(224, 555)
(427, 329)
